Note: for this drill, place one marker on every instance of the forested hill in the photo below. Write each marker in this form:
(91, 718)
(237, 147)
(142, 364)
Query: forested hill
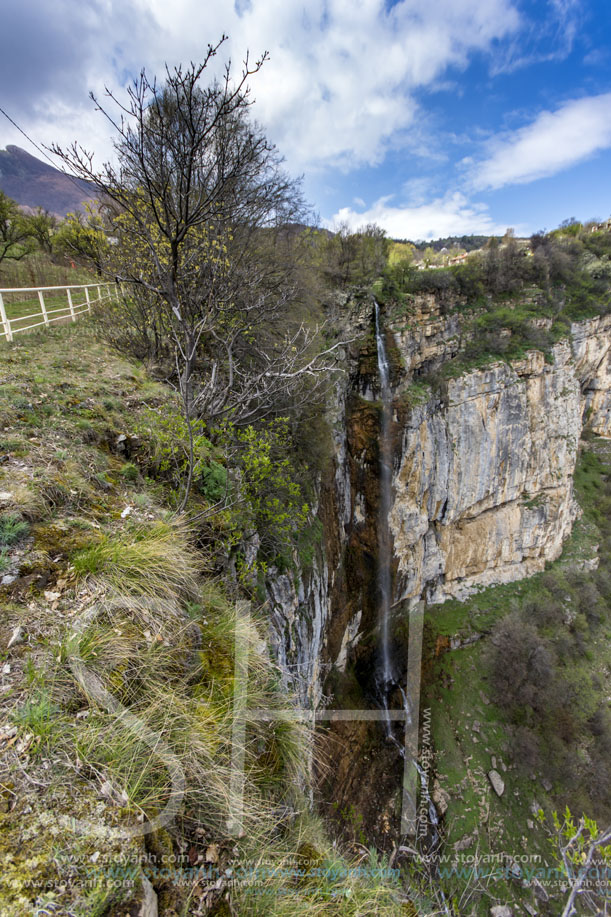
(466, 243)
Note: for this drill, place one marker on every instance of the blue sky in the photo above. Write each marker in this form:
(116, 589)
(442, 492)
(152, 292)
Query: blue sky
(429, 117)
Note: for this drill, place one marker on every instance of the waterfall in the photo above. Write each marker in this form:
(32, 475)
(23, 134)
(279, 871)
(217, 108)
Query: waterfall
(384, 676)
(386, 679)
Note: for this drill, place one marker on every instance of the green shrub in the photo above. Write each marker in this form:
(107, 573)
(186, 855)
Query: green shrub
(166, 453)
(213, 481)
(272, 504)
(437, 280)
(12, 529)
(129, 471)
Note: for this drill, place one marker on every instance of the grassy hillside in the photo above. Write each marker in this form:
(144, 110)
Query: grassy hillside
(519, 681)
(119, 671)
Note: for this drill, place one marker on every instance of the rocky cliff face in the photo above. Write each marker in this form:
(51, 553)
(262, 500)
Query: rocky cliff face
(483, 488)
(591, 341)
(298, 624)
(300, 603)
(482, 484)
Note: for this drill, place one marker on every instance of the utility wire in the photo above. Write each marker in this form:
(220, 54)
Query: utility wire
(42, 151)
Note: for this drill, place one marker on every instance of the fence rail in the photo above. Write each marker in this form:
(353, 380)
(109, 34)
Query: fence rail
(19, 306)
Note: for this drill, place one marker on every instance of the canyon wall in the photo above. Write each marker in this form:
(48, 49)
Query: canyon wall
(482, 482)
(483, 488)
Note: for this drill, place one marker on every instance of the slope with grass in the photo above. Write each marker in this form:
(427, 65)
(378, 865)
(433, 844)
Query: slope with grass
(518, 681)
(118, 741)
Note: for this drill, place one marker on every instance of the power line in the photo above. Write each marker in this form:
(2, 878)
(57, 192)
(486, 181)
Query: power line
(41, 150)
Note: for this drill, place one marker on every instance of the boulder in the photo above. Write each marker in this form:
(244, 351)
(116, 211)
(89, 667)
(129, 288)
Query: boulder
(497, 782)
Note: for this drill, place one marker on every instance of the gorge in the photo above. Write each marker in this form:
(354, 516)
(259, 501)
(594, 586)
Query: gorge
(440, 615)
(481, 481)
(480, 467)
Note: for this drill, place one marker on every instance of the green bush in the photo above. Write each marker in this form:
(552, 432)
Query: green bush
(12, 529)
(166, 453)
(470, 281)
(440, 281)
(213, 481)
(272, 504)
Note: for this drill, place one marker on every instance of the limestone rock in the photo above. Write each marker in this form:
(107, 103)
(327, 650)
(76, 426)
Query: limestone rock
(483, 491)
(501, 910)
(497, 782)
(148, 906)
(592, 352)
(440, 797)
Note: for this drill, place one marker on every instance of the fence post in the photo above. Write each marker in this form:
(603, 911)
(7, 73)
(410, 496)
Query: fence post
(5, 322)
(87, 298)
(99, 293)
(43, 308)
(70, 304)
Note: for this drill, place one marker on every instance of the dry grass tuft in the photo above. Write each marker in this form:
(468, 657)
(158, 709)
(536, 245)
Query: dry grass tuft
(155, 561)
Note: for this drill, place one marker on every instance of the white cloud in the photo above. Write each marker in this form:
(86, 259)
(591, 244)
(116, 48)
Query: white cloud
(451, 215)
(553, 142)
(342, 75)
(550, 37)
(337, 89)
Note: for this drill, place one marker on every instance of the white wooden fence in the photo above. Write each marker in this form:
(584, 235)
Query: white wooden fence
(24, 308)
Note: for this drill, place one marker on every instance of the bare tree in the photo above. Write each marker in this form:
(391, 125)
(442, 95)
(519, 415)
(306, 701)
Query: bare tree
(196, 203)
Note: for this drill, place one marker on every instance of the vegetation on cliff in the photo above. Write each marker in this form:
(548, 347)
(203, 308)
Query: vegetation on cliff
(511, 296)
(115, 610)
(142, 508)
(519, 682)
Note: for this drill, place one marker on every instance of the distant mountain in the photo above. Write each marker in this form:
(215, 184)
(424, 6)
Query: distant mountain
(33, 183)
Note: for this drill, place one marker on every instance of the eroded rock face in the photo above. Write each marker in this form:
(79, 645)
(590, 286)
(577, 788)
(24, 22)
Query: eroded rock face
(299, 607)
(430, 338)
(483, 489)
(482, 485)
(591, 342)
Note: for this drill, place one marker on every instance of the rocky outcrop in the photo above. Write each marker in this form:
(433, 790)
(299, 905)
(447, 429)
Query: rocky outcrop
(482, 483)
(429, 338)
(483, 488)
(298, 622)
(591, 342)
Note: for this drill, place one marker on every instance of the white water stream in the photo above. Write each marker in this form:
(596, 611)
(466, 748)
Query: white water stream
(385, 678)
